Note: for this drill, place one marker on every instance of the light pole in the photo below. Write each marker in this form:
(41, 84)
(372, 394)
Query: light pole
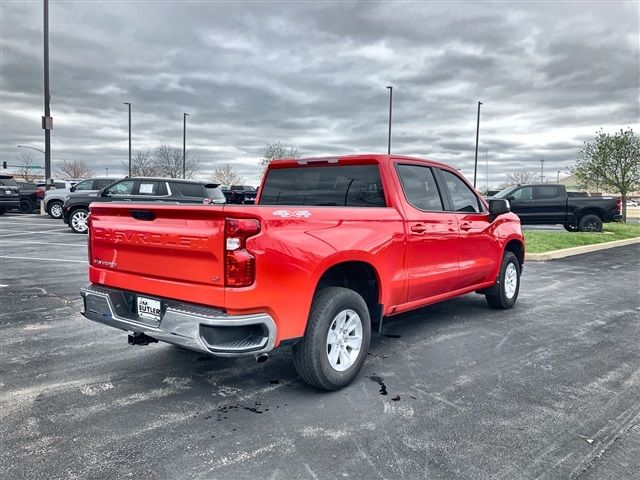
(47, 121)
(32, 148)
(390, 87)
(184, 144)
(129, 104)
(475, 169)
(558, 177)
(542, 169)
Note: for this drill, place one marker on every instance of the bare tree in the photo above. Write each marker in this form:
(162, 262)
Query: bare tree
(168, 162)
(74, 169)
(522, 177)
(142, 164)
(275, 151)
(27, 166)
(226, 175)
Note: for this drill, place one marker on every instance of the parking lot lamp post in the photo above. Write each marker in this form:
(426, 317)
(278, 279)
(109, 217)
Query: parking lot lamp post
(184, 144)
(390, 87)
(475, 169)
(129, 104)
(47, 121)
(558, 177)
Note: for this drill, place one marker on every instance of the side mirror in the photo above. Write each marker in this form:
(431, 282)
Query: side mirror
(104, 193)
(510, 198)
(73, 188)
(498, 206)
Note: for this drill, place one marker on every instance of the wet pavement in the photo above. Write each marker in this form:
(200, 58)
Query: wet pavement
(549, 389)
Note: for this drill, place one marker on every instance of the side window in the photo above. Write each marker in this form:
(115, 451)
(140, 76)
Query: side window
(546, 192)
(189, 189)
(122, 188)
(420, 188)
(524, 193)
(151, 188)
(98, 184)
(463, 198)
(84, 185)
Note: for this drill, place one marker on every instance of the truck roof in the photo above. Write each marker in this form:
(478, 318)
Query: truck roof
(365, 157)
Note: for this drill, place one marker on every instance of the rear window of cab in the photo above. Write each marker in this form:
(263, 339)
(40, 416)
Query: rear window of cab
(321, 185)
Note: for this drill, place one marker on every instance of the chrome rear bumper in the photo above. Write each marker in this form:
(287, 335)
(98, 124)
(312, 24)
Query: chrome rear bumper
(191, 326)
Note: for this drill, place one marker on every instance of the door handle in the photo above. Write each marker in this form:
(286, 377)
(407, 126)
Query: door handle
(418, 228)
(465, 226)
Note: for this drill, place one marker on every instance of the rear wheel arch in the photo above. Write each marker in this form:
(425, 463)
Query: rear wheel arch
(359, 276)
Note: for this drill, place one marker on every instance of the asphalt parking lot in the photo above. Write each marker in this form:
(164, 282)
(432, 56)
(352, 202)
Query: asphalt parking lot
(550, 389)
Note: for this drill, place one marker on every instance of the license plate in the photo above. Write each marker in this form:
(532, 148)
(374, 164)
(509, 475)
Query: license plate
(149, 308)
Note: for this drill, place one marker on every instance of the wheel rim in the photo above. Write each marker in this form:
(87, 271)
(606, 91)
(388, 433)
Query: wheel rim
(25, 207)
(56, 210)
(344, 340)
(79, 221)
(510, 281)
(591, 225)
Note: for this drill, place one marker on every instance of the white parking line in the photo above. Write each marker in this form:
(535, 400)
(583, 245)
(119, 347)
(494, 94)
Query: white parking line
(22, 242)
(56, 232)
(43, 259)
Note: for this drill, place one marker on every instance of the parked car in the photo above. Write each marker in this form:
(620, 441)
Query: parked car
(631, 203)
(54, 199)
(32, 193)
(75, 210)
(242, 194)
(9, 193)
(332, 247)
(549, 204)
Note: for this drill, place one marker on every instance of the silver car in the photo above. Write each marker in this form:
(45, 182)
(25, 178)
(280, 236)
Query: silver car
(54, 199)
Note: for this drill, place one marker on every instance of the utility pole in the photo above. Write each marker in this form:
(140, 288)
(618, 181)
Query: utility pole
(558, 177)
(184, 144)
(47, 121)
(475, 169)
(542, 169)
(129, 104)
(390, 108)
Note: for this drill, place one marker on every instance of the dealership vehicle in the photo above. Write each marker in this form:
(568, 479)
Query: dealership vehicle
(75, 209)
(9, 193)
(242, 194)
(32, 193)
(549, 204)
(54, 199)
(333, 246)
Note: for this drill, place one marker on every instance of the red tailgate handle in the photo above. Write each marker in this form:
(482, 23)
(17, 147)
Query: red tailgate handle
(465, 226)
(418, 228)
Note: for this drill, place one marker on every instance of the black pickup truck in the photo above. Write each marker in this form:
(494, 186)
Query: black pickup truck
(549, 204)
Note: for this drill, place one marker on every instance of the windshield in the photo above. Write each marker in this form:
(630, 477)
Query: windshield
(506, 192)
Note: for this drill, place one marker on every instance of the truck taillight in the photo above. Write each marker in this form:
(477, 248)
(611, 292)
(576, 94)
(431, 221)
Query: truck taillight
(89, 238)
(619, 205)
(40, 191)
(239, 264)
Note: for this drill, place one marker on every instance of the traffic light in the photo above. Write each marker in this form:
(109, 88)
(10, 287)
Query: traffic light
(4, 164)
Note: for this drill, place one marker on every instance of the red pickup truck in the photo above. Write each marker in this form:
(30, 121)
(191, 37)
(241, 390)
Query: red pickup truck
(332, 247)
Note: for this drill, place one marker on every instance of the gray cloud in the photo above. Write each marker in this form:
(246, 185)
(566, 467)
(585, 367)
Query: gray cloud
(314, 75)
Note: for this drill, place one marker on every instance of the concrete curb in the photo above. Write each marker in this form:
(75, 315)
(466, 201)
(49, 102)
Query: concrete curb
(569, 252)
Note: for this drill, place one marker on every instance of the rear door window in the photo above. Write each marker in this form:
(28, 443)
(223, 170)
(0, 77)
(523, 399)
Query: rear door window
(151, 188)
(420, 188)
(546, 192)
(342, 185)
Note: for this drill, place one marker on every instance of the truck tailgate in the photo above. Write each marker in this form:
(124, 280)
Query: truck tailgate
(159, 248)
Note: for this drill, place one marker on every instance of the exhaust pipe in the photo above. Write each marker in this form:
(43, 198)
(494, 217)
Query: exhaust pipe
(262, 357)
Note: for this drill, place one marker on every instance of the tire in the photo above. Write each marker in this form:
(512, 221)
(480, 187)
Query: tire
(54, 209)
(78, 220)
(569, 227)
(590, 223)
(507, 293)
(26, 206)
(333, 308)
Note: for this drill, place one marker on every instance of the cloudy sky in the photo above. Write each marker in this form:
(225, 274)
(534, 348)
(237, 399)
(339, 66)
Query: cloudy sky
(313, 75)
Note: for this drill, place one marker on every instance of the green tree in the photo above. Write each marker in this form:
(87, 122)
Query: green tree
(275, 151)
(610, 162)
